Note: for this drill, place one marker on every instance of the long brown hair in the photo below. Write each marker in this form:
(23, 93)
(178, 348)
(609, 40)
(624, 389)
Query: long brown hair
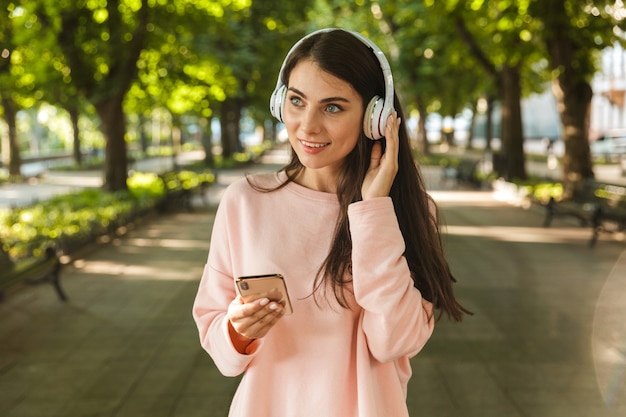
(346, 57)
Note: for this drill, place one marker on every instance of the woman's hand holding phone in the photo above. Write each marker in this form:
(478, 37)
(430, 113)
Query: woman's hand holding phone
(262, 301)
(253, 319)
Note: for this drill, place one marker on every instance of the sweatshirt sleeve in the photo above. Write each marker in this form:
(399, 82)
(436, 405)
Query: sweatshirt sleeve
(215, 293)
(209, 313)
(397, 321)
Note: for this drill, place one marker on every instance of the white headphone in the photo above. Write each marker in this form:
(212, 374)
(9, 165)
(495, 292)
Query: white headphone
(377, 110)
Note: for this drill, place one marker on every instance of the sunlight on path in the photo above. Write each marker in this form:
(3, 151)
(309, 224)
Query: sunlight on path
(609, 335)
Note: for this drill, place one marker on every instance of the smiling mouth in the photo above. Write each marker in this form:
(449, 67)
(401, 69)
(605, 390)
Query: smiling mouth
(314, 144)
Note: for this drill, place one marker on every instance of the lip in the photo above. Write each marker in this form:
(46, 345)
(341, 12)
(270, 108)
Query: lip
(313, 147)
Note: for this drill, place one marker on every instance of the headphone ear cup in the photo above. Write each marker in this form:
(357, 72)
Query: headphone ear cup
(373, 121)
(277, 102)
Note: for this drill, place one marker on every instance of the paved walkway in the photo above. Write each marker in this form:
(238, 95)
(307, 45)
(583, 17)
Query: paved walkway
(53, 182)
(548, 338)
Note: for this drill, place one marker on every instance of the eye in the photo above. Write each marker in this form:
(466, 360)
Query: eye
(295, 100)
(333, 108)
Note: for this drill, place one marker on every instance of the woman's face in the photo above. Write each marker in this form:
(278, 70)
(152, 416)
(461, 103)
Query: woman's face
(323, 116)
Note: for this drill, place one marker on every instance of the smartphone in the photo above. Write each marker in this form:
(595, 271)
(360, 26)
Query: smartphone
(252, 286)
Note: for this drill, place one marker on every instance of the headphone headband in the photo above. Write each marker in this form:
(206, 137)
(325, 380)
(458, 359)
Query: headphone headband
(377, 110)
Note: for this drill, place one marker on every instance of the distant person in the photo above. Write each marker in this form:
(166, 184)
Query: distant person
(349, 225)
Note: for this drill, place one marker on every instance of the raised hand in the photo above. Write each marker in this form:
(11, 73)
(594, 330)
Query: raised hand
(383, 166)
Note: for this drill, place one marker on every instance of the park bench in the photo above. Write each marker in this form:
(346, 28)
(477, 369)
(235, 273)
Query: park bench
(463, 172)
(598, 205)
(33, 270)
(467, 172)
(180, 186)
(175, 192)
(611, 212)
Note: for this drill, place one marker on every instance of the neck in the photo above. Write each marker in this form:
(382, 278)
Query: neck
(318, 179)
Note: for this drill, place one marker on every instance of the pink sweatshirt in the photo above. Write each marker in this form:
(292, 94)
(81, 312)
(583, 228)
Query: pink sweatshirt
(323, 360)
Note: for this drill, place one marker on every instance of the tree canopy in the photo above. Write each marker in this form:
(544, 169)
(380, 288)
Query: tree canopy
(217, 58)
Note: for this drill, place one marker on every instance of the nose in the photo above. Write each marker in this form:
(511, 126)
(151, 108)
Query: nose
(310, 122)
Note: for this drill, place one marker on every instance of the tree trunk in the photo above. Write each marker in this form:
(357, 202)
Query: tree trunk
(574, 104)
(470, 129)
(229, 122)
(206, 138)
(271, 134)
(74, 115)
(489, 127)
(176, 139)
(507, 79)
(512, 134)
(572, 92)
(143, 138)
(114, 129)
(422, 136)
(10, 147)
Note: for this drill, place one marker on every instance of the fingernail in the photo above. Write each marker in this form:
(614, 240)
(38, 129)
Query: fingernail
(264, 301)
(275, 307)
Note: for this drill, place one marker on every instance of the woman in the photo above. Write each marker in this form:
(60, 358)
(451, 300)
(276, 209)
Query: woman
(349, 225)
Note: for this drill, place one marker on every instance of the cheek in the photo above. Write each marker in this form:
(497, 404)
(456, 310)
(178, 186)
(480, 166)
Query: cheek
(351, 134)
(289, 120)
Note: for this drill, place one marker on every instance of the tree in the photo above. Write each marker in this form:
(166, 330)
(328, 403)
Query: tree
(432, 70)
(101, 46)
(254, 46)
(573, 33)
(9, 57)
(217, 66)
(498, 35)
(48, 67)
(213, 58)
(102, 43)
(178, 72)
(512, 41)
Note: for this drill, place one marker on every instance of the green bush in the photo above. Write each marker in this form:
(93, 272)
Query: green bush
(79, 217)
(145, 185)
(29, 230)
(541, 191)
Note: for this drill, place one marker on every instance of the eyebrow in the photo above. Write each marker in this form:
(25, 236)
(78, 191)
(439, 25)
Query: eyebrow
(325, 100)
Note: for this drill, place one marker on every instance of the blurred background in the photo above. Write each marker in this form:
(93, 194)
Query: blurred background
(122, 121)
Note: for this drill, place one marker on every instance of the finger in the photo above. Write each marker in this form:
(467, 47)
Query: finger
(242, 315)
(266, 318)
(392, 129)
(242, 308)
(376, 155)
(263, 322)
